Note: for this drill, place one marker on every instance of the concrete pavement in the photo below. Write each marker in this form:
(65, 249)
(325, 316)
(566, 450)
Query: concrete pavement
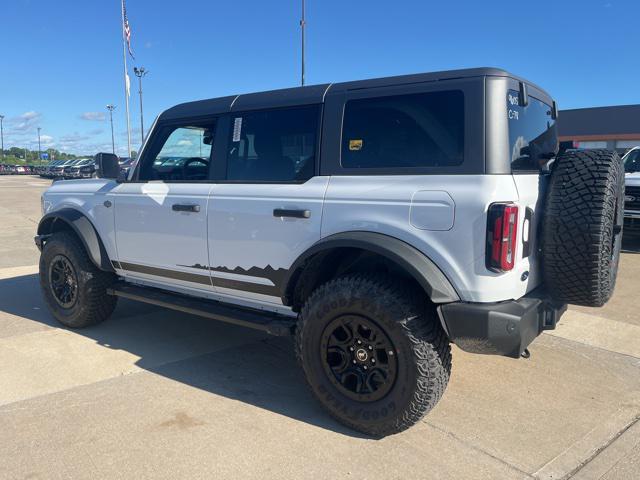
(155, 394)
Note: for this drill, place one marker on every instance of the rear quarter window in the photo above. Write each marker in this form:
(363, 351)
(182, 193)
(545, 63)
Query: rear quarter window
(415, 130)
(533, 139)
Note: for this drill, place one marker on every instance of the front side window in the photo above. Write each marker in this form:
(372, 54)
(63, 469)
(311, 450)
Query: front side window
(181, 153)
(533, 139)
(273, 145)
(416, 130)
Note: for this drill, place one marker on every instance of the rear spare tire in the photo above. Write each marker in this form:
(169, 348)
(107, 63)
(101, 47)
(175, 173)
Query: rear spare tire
(582, 227)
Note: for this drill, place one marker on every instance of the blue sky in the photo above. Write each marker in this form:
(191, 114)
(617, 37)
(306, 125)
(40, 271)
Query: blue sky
(61, 61)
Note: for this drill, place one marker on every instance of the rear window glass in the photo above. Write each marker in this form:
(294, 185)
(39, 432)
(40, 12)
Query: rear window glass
(533, 139)
(417, 130)
(273, 145)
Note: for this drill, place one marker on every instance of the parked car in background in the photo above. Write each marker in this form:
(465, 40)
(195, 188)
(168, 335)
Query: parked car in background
(66, 171)
(46, 170)
(74, 171)
(58, 171)
(631, 162)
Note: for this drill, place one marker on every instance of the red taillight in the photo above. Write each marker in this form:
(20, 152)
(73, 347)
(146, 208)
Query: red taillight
(502, 232)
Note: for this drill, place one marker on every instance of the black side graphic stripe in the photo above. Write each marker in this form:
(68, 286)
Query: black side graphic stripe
(277, 276)
(246, 286)
(201, 279)
(163, 272)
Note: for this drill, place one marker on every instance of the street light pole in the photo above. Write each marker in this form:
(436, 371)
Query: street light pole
(140, 72)
(2, 137)
(111, 108)
(39, 147)
(302, 25)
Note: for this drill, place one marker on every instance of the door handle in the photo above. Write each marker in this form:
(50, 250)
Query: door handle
(284, 212)
(178, 207)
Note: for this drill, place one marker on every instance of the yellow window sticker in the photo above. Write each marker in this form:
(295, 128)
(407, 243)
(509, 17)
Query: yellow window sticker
(355, 145)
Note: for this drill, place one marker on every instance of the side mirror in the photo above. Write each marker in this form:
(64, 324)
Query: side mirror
(107, 165)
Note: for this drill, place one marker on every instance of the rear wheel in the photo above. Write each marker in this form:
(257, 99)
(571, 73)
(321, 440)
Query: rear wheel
(582, 227)
(373, 352)
(74, 288)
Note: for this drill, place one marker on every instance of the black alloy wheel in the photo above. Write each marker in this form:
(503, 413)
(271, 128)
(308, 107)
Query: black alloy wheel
(63, 281)
(360, 359)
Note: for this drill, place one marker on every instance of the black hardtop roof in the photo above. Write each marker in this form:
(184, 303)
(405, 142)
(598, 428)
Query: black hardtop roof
(315, 93)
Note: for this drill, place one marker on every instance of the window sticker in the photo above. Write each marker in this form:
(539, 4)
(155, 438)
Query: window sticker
(355, 145)
(237, 129)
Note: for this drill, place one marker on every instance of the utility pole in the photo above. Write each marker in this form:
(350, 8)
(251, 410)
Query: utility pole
(140, 72)
(39, 154)
(111, 108)
(2, 137)
(302, 25)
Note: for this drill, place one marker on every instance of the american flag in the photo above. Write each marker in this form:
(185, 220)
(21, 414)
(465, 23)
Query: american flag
(127, 29)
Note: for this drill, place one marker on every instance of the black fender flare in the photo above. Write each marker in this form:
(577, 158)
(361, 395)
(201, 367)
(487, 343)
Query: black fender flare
(414, 262)
(83, 228)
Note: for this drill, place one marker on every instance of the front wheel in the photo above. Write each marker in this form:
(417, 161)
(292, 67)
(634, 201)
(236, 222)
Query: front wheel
(373, 353)
(75, 290)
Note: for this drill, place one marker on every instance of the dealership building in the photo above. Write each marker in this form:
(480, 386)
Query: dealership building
(600, 127)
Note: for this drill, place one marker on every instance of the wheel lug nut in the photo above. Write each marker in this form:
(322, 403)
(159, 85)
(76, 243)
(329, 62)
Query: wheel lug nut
(365, 367)
(351, 349)
(354, 361)
(359, 342)
(370, 347)
(373, 360)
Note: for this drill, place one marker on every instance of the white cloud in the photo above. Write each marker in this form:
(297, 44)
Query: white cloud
(93, 116)
(46, 140)
(26, 121)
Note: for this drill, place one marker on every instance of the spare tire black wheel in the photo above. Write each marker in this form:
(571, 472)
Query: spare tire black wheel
(582, 227)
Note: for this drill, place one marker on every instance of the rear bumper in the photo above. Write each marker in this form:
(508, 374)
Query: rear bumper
(503, 328)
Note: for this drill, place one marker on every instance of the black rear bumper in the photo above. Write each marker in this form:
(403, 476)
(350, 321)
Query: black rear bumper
(503, 328)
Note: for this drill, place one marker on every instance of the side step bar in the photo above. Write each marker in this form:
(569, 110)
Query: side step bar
(272, 323)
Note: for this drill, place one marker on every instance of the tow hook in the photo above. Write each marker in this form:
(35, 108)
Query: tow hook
(526, 353)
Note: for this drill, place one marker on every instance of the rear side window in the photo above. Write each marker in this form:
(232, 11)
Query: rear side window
(417, 130)
(533, 139)
(273, 145)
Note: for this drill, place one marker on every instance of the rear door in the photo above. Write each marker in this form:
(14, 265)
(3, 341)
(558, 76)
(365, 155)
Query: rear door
(161, 216)
(267, 210)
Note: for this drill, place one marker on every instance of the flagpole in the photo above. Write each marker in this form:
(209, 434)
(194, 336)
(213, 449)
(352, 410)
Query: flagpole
(302, 25)
(126, 90)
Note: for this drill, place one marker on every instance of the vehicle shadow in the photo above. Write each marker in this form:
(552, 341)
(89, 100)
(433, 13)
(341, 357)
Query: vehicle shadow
(230, 361)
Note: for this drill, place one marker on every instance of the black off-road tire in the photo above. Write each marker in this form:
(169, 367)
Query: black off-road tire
(92, 304)
(408, 320)
(582, 227)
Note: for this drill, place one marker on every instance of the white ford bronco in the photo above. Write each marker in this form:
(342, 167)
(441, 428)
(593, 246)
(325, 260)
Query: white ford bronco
(377, 221)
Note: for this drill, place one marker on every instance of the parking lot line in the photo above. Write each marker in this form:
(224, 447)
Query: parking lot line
(596, 441)
(605, 333)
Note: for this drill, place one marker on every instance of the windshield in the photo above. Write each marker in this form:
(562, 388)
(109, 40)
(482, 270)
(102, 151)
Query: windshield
(632, 161)
(533, 139)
